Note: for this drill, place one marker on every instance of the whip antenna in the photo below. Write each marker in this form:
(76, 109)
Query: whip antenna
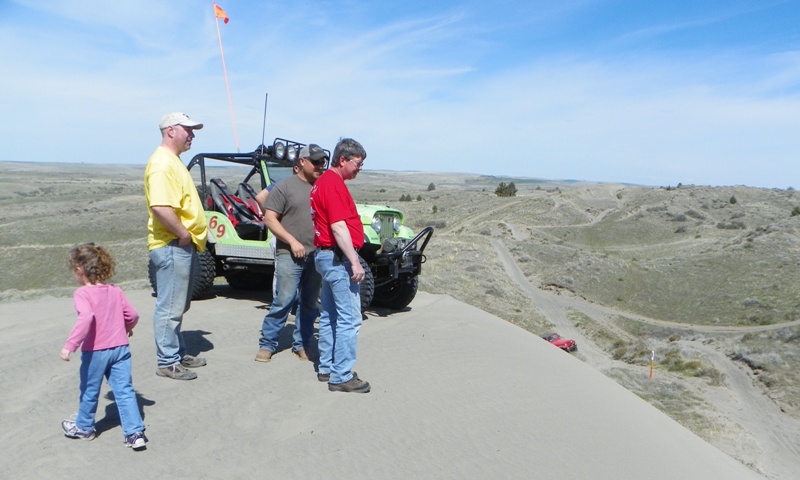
(264, 127)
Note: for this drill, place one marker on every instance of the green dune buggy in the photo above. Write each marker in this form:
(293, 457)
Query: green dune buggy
(241, 248)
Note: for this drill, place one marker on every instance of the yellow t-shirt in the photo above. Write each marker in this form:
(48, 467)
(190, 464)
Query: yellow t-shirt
(168, 183)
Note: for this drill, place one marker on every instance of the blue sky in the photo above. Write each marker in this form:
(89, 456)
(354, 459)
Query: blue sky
(646, 92)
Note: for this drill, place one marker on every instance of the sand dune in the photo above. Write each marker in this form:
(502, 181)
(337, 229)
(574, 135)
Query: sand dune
(456, 393)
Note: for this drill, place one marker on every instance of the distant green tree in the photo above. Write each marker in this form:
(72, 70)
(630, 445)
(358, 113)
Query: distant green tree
(419, 198)
(733, 200)
(795, 211)
(436, 209)
(431, 187)
(504, 190)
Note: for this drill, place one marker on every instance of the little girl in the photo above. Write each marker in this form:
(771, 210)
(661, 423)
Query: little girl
(105, 321)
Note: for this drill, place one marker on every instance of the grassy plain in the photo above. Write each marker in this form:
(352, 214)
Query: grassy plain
(724, 256)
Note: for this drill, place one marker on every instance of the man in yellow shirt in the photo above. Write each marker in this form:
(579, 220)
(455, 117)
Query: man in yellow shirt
(176, 231)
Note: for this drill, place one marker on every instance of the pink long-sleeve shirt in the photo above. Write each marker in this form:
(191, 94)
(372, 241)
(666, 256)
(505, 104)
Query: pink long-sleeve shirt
(104, 318)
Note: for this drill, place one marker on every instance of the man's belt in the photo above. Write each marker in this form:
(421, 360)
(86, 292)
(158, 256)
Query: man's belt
(336, 248)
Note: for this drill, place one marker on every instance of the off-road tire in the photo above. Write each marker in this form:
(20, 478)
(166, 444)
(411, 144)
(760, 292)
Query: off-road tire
(204, 273)
(203, 278)
(367, 286)
(397, 294)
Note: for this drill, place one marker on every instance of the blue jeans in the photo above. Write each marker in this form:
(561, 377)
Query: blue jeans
(340, 318)
(174, 268)
(295, 278)
(115, 365)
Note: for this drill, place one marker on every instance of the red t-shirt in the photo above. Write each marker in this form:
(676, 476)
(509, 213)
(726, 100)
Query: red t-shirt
(331, 202)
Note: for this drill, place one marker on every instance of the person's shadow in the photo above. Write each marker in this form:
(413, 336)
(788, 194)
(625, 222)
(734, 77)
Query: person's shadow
(111, 418)
(196, 343)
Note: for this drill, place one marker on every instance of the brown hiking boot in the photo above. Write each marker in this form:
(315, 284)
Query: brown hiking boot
(189, 361)
(176, 371)
(354, 385)
(303, 355)
(264, 355)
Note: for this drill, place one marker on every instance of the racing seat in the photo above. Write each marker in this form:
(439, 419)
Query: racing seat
(248, 195)
(245, 216)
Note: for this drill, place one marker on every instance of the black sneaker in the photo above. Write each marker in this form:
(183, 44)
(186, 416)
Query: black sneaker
(136, 441)
(354, 385)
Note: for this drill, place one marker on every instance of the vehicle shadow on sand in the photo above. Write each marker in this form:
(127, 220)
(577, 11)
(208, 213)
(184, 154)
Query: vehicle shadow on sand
(226, 291)
(264, 297)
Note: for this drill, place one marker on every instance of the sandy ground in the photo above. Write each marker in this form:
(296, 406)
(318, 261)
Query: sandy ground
(456, 393)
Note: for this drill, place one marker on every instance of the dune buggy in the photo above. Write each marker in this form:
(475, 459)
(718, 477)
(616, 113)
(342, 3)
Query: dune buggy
(240, 249)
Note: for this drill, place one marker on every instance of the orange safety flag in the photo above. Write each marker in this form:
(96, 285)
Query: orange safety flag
(220, 13)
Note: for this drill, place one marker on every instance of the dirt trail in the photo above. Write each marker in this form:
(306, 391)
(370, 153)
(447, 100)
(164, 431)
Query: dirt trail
(473, 219)
(743, 402)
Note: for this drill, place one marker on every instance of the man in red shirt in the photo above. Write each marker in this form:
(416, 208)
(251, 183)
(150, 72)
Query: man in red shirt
(338, 235)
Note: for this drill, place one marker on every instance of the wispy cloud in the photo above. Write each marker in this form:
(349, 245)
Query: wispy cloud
(551, 90)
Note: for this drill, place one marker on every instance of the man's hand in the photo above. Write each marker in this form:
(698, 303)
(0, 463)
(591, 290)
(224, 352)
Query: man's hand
(185, 240)
(65, 354)
(358, 272)
(298, 250)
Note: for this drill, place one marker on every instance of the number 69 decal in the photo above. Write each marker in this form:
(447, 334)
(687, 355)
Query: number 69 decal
(217, 228)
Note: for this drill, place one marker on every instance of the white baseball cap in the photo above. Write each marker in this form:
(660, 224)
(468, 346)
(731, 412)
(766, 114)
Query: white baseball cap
(177, 118)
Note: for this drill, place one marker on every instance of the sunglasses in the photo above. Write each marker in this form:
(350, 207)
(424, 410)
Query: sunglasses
(318, 163)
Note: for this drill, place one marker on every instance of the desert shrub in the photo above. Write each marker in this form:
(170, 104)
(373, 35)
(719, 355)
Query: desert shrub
(695, 214)
(431, 187)
(732, 200)
(678, 218)
(419, 198)
(495, 292)
(436, 224)
(434, 209)
(795, 211)
(731, 226)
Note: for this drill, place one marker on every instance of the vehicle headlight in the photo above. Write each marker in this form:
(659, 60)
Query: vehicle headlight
(278, 150)
(291, 153)
(376, 224)
(396, 224)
